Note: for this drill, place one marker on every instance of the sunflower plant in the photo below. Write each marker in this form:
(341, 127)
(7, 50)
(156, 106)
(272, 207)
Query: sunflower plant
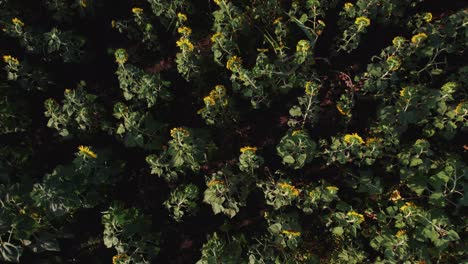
(79, 112)
(296, 149)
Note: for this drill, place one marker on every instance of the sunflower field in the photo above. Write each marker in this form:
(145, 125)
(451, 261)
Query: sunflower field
(233, 131)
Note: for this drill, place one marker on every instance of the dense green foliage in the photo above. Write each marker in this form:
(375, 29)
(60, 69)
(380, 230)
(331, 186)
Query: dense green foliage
(233, 131)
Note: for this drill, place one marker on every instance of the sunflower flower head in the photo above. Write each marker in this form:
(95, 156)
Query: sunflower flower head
(137, 10)
(407, 206)
(220, 89)
(233, 63)
(461, 108)
(398, 41)
(288, 187)
(403, 92)
(119, 259)
(248, 149)
(340, 110)
(355, 217)
(297, 132)
(395, 196)
(184, 44)
(362, 22)
(10, 60)
(309, 88)
(348, 6)
(277, 20)
(121, 56)
(418, 38)
(17, 22)
(216, 36)
(427, 17)
(400, 233)
(353, 138)
(179, 132)
(186, 31)
(209, 101)
(86, 151)
(182, 17)
(214, 182)
(332, 189)
(394, 63)
(371, 141)
(291, 233)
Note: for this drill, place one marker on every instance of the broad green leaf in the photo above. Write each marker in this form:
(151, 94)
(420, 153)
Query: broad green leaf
(288, 160)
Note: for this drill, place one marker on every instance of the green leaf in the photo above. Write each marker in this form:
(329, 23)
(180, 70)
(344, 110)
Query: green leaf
(437, 199)
(415, 162)
(178, 160)
(452, 236)
(301, 159)
(295, 111)
(275, 228)
(288, 159)
(417, 184)
(338, 231)
(439, 179)
(430, 234)
(120, 129)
